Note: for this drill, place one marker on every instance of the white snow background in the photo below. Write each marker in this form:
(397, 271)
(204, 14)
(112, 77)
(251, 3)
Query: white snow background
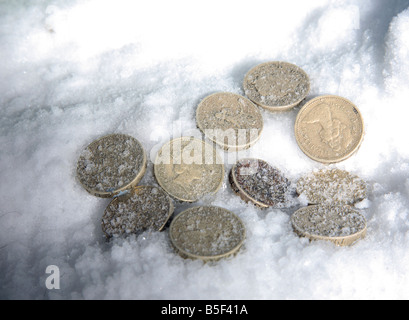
(72, 71)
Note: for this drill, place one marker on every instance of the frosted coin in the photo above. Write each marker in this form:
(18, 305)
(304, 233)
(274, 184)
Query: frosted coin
(276, 85)
(207, 233)
(332, 186)
(230, 120)
(143, 208)
(111, 164)
(256, 181)
(329, 129)
(188, 169)
(341, 225)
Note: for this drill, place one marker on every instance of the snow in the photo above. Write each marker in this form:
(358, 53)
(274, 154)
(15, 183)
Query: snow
(73, 71)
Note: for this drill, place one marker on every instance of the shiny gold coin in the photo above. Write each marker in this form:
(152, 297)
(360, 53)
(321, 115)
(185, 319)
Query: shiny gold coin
(111, 164)
(230, 120)
(188, 169)
(142, 208)
(207, 233)
(332, 186)
(329, 129)
(257, 182)
(276, 85)
(341, 225)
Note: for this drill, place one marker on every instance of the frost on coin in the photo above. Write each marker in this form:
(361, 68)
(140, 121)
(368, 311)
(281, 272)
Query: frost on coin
(332, 186)
(110, 163)
(144, 208)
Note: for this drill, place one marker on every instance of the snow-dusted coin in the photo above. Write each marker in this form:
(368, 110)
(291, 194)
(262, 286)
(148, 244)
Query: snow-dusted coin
(341, 225)
(142, 208)
(332, 186)
(256, 181)
(188, 169)
(276, 85)
(207, 233)
(329, 129)
(230, 120)
(111, 164)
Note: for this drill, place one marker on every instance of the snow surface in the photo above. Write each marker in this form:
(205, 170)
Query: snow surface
(72, 71)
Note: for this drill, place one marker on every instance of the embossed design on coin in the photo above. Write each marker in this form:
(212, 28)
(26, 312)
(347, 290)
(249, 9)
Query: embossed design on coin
(256, 181)
(230, 120)
(332, 186)
(207, 233)
(111, 164)
(276, 85)
(188, 169)
(341, 225)
(329, 129)
(143, 208)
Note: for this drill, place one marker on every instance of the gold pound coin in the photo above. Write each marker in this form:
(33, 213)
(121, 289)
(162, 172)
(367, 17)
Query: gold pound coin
(333, 186)
(341, 225)
(277, 85)
(188, 169)
(207, 233)
(111, 164)
(329, 129)
(230, 120)
(142, 208)
(257, 182)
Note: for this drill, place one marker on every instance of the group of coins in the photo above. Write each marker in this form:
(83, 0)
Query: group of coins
(328, 129)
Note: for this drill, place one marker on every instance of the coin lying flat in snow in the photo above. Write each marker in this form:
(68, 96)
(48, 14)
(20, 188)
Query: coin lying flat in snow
(333, 186)
(256, 181)
(276, 85)
(230, 120)
(341, 225)
(188, 169)
(207, 233)
(111, 164)
(142, 208)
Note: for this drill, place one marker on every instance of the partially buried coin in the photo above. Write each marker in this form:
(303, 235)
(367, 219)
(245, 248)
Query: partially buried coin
(329, 129)
(230, 120)
(143, 208)
(341, 225)
(188, 169)
(276, 85)
(257, 182)
(332, 186)
(207, 233)
(111, 164)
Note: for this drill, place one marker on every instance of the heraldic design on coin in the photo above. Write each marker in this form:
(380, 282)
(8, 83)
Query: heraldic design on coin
(188, 169)
(329, 129)
(230, 120)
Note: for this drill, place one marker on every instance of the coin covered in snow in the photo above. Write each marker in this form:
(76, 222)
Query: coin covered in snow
(276, 85)
(142, 208)
(329, 129)
(230, 120)
(256, 181)
(332, 186)
(207, 233)
(111, 164)
(341, 225)
(189, 169)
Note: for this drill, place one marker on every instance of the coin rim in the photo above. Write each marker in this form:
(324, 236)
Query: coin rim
(325, 170)
(184, 253)
(171, 193)
(325, 161)
(227, 147)
(131, 184)
(133, 190)
(277, 108)
(242, 193)
(339, 241)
